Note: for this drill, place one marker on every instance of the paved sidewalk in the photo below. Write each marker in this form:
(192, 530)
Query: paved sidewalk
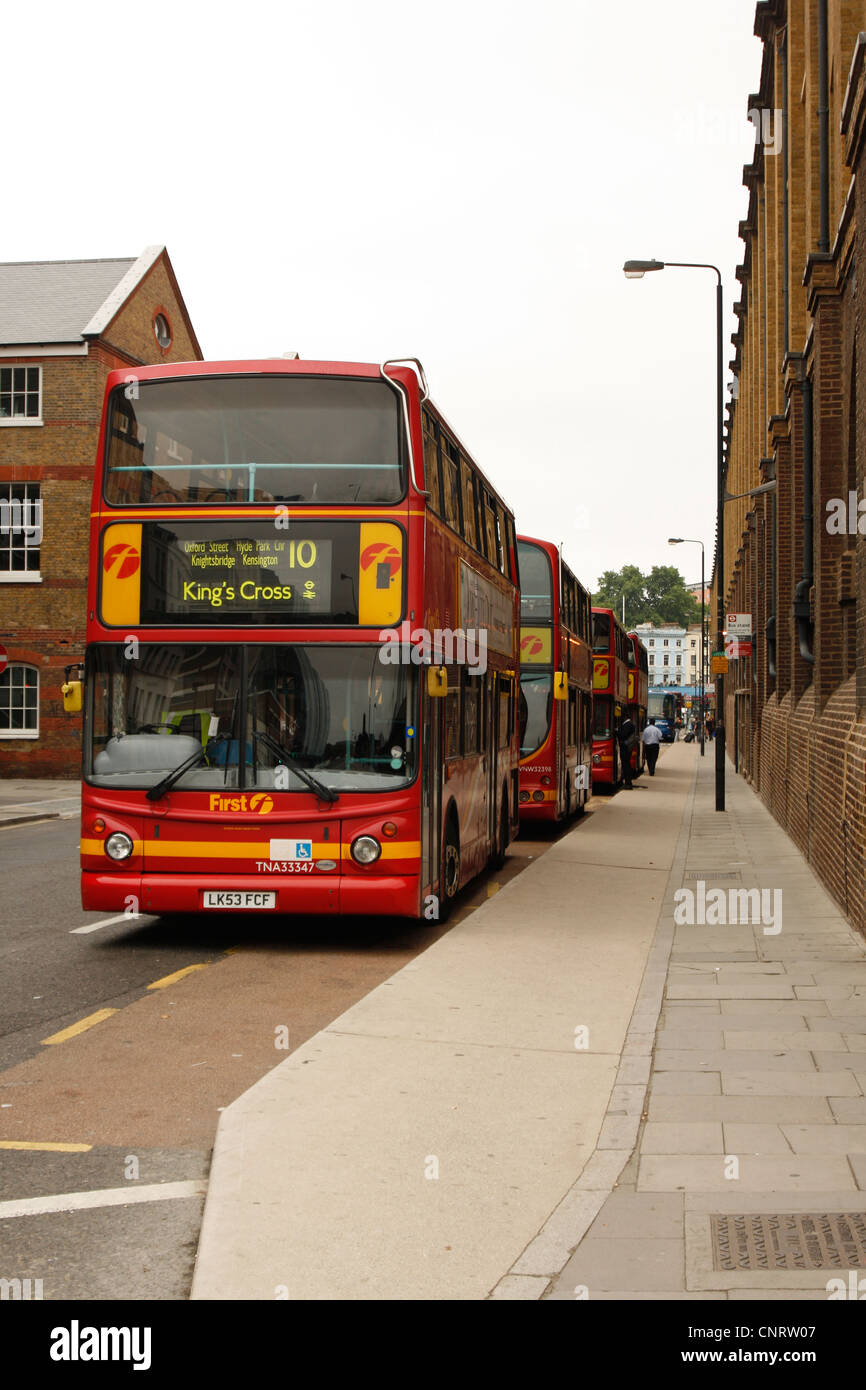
(557, 1098)
(37, 798)
(756, 1105)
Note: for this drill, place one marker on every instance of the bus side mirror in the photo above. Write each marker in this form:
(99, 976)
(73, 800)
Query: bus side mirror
(437, 682)
(71, 697)
(560, 685)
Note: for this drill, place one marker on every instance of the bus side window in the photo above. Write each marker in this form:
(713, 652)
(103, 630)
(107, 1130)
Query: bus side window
(470, 527)
(572, 716)
(501, 538)
(450, 483)
(452, 715)
(512, 548)
(506, 712)
(471, 712)
(490, 530)
(431, 465)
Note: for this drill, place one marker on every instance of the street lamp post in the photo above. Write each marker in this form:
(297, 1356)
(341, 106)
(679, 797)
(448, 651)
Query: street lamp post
(686, 540)
(635, 270)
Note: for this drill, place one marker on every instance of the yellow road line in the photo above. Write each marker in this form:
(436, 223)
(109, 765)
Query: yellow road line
(80, 1027)
(49, 1148)
(178, 975)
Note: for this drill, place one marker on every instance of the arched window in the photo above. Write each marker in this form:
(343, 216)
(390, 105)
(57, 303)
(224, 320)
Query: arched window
(19, 702)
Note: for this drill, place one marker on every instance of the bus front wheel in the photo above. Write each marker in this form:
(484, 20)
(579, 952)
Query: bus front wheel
(449, 880)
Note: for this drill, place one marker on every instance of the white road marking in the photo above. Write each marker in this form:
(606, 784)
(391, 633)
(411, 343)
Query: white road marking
(103, 1197)
(106, 922)
(37, 805)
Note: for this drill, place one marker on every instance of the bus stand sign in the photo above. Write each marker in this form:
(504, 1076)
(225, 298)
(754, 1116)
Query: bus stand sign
(739, 625)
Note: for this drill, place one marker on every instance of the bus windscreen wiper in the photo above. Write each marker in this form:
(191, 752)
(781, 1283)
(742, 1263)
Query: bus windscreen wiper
(168, 782)
(324, 793)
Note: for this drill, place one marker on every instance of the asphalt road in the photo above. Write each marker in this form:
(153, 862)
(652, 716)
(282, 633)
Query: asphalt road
(133, 1099)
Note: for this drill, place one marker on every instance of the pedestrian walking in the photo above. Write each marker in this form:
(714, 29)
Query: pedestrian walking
(651, 738)
(627, 745)
(710, 726)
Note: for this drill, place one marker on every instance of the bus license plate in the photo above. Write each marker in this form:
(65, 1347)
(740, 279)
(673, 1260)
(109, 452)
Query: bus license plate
(239, 901)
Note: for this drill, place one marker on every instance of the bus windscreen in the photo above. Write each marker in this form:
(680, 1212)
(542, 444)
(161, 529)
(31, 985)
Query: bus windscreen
(214, 441)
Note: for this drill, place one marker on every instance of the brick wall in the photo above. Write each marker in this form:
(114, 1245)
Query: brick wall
(43, 624)
(805, 727)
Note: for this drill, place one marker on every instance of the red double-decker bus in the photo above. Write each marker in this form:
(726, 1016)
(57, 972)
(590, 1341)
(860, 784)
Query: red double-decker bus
(555, 685)
(638, 694)
(610, 661)
(301, 671)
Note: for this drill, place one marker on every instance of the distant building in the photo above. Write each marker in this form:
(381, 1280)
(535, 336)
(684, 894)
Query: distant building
(666, 653)
(674, 654)
(64, 325)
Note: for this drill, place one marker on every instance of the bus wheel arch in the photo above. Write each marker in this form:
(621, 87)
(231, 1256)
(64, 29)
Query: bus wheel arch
(449, 880)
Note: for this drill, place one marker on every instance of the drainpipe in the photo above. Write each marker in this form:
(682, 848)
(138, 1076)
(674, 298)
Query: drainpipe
(783, 58)
(801, 593)
(823, 129)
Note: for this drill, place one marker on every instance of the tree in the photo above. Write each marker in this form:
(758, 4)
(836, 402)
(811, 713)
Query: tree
(669, 599)
(628, 581)
(658, 597)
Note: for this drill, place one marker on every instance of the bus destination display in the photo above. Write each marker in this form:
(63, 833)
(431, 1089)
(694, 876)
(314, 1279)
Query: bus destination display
(251, 570)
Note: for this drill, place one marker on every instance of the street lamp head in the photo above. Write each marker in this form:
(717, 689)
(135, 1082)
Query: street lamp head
(675, 540)
(635, 270)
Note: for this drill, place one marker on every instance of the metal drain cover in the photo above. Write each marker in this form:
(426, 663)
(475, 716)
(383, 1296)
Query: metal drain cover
(790, 1240)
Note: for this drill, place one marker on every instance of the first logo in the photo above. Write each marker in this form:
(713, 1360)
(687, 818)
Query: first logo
(121, 561)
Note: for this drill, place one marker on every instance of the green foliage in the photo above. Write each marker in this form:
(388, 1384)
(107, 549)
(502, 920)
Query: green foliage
(658, 597)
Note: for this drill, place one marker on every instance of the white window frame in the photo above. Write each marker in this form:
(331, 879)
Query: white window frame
(11, 576)
(21, 421)
(22, 733)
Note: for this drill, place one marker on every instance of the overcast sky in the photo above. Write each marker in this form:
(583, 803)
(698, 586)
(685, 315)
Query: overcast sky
(460, 181)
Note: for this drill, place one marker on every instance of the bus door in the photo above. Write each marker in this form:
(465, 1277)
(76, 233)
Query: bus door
(559, 711)
(431, 790)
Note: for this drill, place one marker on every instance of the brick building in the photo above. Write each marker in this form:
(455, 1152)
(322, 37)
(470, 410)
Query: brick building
(795, 554)
(63, 326)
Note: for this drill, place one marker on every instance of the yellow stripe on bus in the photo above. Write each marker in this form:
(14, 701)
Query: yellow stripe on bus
(237, 849)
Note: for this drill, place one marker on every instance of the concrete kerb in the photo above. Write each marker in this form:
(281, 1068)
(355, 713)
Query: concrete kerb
(544, 1259)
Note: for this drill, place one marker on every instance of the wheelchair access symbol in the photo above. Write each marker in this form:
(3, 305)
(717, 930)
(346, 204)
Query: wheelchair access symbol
(304, 850)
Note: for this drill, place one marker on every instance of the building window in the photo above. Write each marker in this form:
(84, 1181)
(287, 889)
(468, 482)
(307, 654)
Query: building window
(664, 661)
(19, 702)
(20, 531)
(665, 642)
(20, 395)
(162, 331)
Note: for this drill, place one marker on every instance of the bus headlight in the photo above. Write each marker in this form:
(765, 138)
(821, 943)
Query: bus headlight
(118, 846)
(366, 849)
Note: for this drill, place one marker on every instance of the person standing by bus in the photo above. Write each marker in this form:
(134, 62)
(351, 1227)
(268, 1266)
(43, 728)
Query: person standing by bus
(627, 743)
(651, 738)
